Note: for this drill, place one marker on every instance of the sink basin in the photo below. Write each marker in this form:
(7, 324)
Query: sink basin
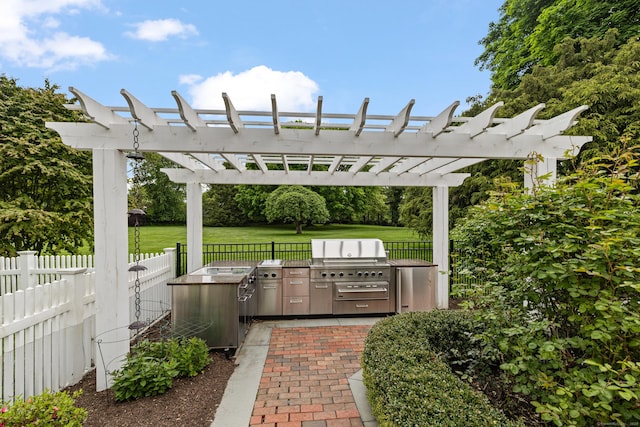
(216, 271)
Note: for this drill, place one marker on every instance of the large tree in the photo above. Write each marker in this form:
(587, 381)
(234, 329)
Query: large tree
(296, 204)
(220, 208)
(45, 186)
(528, 31)
(355, 204)
(164, 200)
(590, 71)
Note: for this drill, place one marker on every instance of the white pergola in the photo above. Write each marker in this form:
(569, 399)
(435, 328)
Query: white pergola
(322, 149)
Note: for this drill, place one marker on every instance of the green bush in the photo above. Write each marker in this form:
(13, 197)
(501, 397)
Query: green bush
(151, 367)
(46, 409)
(191, 357)
(406, 369)
(563, 290)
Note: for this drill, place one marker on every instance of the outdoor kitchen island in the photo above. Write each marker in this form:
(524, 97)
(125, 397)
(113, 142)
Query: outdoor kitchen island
(344, 277)
(215, 303)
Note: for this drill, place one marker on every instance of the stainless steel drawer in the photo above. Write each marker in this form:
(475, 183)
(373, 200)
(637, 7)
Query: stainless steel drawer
(295, 286)
(295, 272)
(361, 307)
(295, 305)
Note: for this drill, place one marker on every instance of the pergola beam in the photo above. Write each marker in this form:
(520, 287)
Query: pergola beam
(95, 111)
(302, 142)
(235, 123)
(317, 178)
(383, 164)
(318, 116)
(441, 122)
(400, 122)
(141, 113)
(477, 125)
(274, 115)
(360, 119)
(188, 114)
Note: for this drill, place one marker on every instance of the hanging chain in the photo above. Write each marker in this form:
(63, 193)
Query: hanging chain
(137, 213)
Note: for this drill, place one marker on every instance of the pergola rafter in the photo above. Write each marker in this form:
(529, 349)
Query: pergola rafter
(231, 146)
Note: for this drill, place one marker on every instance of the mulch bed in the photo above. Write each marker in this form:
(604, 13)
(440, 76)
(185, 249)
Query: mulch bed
(191, 401)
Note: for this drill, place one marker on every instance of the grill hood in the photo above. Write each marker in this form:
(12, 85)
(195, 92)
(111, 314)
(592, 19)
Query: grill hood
(347, 251)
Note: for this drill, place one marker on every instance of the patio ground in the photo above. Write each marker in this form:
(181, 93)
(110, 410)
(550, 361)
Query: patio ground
(299, 373)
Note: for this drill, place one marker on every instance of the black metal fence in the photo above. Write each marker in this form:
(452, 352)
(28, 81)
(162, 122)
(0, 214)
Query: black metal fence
(255, 252)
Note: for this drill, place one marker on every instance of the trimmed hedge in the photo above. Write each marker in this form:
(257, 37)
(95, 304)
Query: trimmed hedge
(406, 371)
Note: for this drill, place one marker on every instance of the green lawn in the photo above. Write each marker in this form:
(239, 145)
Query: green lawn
(156, 238)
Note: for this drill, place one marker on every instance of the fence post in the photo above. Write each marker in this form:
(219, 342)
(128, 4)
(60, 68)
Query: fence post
(172, 261)
(27, 265)
(74, 351)
(178, 258)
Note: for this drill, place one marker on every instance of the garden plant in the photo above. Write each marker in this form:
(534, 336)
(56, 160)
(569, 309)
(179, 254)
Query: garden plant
(560, 289)
(151, 366)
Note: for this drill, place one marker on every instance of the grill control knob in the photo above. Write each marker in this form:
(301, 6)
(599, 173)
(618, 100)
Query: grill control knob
(324, 274)
(359, 273)
(380, 273)
(266, 274)
(273, 274)
(366, 273)
(333, 274)
(341, 274)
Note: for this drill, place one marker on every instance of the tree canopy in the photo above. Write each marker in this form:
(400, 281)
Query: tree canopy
(45, 186)
(163, 200)
(220, 208)
(528, 31)
(296, 204)
(593, 71)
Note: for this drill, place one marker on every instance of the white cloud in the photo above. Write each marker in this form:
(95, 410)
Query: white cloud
(29, 35)
(252, 89)
(190, 79)
(161, 29)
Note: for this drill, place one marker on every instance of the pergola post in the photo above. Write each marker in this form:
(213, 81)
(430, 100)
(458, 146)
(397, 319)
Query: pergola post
(441, 244)
(194, 226)
(111, 262)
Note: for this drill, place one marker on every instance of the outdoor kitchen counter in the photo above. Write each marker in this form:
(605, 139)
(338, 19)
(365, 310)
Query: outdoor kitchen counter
(411, 263)
(296, 264)
(204, 279)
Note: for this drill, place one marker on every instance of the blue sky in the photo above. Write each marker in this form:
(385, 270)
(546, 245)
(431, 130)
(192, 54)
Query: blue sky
(343, 51)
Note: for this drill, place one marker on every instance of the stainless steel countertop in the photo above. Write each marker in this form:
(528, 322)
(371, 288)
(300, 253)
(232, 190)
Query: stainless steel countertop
(411, 263)
(202, 279)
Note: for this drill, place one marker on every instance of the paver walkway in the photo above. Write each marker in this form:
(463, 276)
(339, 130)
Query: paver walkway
(305, 377)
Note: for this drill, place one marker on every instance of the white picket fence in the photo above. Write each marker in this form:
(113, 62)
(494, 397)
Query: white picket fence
(47, 330)
(28, 269)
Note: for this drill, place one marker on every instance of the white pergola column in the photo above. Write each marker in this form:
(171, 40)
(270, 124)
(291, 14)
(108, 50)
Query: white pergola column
(534, 170)
(441, 244)
(194, 226)
(111, 262)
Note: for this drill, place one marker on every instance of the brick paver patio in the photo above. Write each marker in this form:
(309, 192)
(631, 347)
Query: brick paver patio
(305, 378)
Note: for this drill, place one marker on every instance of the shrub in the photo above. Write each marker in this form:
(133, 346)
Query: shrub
(407, 374)
(151, 367)
(563, 290)
(46, 409)
(191, 356)
(143, 377)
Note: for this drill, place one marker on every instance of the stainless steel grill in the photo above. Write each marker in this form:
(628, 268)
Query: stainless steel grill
(357, 272)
